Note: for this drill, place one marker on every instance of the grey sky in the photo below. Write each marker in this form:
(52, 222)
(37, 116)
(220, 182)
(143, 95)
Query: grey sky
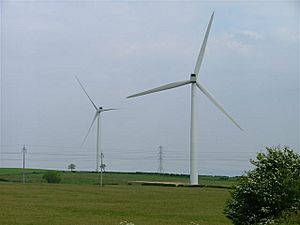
(119, 48)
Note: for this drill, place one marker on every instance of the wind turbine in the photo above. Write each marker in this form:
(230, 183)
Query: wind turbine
(97, 116)
(194, 84)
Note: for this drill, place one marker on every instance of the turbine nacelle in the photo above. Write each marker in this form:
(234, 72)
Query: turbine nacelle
(193, 78)
(100, 109)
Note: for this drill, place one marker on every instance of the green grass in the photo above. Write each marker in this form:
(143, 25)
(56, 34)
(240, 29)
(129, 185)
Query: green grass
(78, 201)
(64, 204)
(35, 176)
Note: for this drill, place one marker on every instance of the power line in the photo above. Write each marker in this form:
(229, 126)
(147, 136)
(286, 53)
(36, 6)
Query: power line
(142, 150)
(169, 158)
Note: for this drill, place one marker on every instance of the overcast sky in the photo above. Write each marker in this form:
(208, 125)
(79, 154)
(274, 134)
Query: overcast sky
(119, 48)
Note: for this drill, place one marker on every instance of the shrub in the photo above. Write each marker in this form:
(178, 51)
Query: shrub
(52, 177)
(268, 191)
(290, 218)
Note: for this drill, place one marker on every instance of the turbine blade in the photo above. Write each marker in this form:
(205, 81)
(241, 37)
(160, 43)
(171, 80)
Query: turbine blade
(162, 88)
(104, 110)
(214, 101)
(87, 134)
(202, 51)
(86, 92)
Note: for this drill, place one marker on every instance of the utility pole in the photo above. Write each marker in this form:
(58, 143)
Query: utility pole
(160, 160)
(24, 151)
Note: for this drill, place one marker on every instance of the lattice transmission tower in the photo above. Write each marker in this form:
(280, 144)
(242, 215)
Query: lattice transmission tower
(160, 160)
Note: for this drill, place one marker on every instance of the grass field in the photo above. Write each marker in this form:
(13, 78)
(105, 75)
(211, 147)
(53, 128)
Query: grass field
(78, 203)
(35, 176)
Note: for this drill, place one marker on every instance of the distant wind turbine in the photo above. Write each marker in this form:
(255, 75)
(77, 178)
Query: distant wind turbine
(99, 110)
(194, 83)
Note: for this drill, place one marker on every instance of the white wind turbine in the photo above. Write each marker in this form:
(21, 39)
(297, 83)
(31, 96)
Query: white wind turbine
(97, 116)
(194, 84)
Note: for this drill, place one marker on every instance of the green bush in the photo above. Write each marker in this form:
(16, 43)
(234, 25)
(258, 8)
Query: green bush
(290, 218)
(52, 176)
(268, 191)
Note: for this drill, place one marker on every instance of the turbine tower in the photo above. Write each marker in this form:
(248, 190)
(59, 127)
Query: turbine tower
(194, 85)
(97, 116)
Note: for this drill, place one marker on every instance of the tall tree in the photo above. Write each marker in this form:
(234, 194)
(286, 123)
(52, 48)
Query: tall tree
(72, 167)
(267, 192)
